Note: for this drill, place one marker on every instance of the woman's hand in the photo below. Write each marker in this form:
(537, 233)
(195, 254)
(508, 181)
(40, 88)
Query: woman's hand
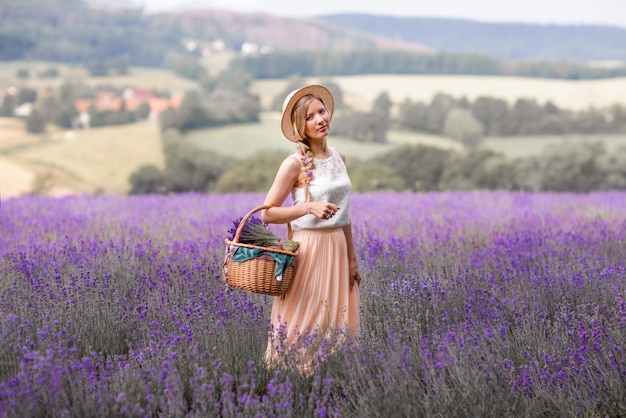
(322, 210)
(355, 275)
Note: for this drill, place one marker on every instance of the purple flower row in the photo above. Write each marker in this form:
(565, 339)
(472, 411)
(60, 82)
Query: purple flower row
(484, 303)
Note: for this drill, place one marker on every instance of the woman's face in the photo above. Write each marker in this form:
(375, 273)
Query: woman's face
(317, 120)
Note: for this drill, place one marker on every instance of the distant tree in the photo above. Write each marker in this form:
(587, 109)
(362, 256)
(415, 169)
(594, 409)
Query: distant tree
(9, 103)
(35, 122)
(26, 95)
(437, 112)
(617, 118)
(615, 165)
(336, 91)
(573, 167)
(462, 126)
(142, 111)
(375, 176)
(492, 113)
(97, 67)
(412, 116)
(293, 82)
(190, 68)
(234, 80)
(420, 167)
(526, 119)
(23, 73)
(147, 179)
(225, 106)
(120, 65)
(369, 127)
(190, 168)
(478, 170)
(254, 174)
(50, 72)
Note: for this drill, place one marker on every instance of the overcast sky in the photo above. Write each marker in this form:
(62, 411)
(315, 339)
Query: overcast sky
(612, 12)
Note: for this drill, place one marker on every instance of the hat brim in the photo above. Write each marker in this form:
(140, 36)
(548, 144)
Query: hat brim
(292, 99)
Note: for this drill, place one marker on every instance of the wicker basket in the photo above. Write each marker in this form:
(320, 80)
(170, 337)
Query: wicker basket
(256, 275)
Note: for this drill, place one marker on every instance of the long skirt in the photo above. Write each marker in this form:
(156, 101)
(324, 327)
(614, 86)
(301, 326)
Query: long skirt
(319, 310)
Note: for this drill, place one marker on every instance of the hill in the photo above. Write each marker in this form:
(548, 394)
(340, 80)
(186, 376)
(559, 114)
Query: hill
(274, 32)
(76, 31)
(510, 41)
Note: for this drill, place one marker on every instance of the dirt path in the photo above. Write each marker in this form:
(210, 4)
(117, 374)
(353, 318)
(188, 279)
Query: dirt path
(18, 178)
(15, 180)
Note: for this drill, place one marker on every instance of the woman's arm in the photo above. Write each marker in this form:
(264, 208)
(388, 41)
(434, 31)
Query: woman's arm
(286, 178)
(355, 275)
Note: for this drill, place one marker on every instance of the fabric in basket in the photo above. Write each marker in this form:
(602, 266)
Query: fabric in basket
(282, 260)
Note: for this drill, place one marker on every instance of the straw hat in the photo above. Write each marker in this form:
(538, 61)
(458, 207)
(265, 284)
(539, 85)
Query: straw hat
(292, 99)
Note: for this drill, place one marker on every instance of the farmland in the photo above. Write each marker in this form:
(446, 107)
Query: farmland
(100, 160)
(474, 304)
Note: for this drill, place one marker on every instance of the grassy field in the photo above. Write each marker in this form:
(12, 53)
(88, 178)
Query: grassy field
(99, 159)
(360, 91)
(148, 78)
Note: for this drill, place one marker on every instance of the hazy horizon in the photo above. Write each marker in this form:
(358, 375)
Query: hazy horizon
(571, 12)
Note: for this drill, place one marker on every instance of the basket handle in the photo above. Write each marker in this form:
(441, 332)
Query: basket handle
(249, 215)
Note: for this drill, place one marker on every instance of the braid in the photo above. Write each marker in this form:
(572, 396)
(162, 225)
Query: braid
(306, 158)
(298, 117)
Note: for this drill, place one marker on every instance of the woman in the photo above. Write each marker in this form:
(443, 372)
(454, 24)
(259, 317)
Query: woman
(323, 300)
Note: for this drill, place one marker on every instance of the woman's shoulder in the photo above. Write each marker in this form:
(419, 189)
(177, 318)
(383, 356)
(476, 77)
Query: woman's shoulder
(291, 163)
(339, 153)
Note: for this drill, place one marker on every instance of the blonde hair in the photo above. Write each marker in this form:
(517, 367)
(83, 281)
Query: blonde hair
(298, 116)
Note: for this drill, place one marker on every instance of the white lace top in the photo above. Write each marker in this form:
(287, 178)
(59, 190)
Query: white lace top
(330, 183)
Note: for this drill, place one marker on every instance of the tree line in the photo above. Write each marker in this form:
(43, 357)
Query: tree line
(496, 117)
(569, 167)
(282, 64)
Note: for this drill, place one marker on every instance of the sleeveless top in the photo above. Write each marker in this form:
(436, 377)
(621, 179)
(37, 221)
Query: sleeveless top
(330, 183)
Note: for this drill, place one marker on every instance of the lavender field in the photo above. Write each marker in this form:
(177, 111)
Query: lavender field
(483, 304)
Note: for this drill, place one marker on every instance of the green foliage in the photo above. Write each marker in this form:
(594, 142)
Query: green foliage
(50, 72)
(294, 82)
(498, 118)
(326, 63)
(372, 176)
(23, 73)
(576, 167)
(369, 127)
(68, 31)
(110, 117)
(615, 165)
(35, 122)
(235, 80)
(420, 167)
(254, 174)
(337, 62)
(201, 109)
(462, 126)
(9, 103)
(147, 179)
(142, 111)
(190, 68)
(476, 170)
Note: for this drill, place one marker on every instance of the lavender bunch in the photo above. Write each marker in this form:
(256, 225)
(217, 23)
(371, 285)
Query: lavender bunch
(255, 232)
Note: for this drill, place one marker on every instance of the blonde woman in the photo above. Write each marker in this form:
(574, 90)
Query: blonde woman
(322, 303)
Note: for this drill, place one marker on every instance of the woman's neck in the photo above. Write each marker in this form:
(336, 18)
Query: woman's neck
(319, 148)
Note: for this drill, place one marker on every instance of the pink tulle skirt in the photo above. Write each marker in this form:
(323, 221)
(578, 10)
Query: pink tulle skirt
(319, 307)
